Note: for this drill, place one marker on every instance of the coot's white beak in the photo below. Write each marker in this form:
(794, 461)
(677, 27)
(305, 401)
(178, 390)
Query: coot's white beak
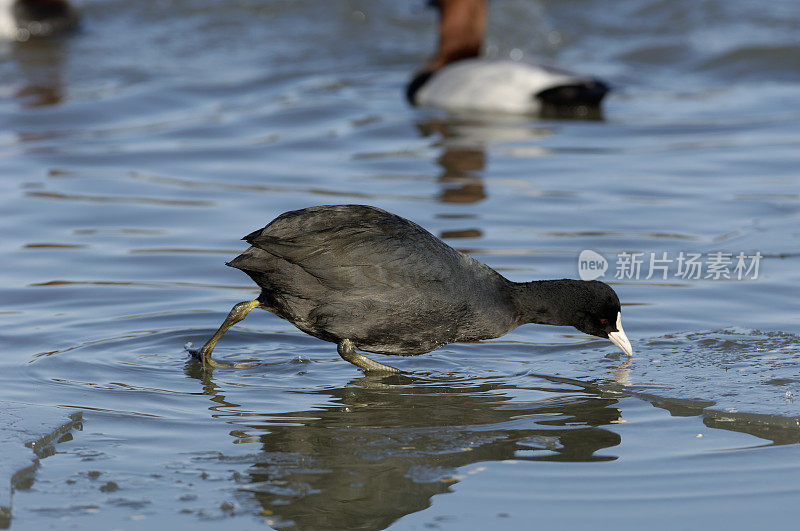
(619, 338)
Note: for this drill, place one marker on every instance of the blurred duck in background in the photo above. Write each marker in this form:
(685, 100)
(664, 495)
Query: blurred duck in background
(22, 19)
(457, 79)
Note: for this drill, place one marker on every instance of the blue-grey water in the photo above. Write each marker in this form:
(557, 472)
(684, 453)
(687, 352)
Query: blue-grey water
(135, 154)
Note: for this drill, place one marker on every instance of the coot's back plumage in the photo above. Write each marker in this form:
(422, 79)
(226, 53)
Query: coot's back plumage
(361, 273)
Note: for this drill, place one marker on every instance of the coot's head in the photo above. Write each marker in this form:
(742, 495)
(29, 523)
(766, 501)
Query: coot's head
(597, 312)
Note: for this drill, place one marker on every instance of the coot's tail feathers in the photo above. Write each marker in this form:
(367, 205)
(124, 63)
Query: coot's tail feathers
(247, 261)
(252, 236)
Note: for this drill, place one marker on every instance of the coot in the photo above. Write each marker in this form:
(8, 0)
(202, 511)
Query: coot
(364, 278)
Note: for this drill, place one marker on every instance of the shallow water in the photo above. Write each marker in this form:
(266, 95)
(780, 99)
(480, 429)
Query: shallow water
(135, 154)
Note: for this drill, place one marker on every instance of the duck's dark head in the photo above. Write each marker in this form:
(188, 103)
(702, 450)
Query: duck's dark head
(590, 306)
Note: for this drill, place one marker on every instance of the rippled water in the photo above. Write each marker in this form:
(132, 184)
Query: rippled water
(135, 154)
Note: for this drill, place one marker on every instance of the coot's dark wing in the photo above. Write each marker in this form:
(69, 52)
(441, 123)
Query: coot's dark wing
(353, 248)
(361, 273)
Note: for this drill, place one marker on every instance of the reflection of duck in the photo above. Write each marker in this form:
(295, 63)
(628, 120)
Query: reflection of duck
(366, 458)
(461, 175)
(22, 19)
(462, 164)
(39, 82)
(455, 79)
(464, 144)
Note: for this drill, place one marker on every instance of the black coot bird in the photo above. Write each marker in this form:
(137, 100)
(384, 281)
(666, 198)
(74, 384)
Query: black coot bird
(366, 279)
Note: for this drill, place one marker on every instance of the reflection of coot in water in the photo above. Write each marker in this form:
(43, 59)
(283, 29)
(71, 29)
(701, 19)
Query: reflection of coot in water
(367, 457)
(363, 278)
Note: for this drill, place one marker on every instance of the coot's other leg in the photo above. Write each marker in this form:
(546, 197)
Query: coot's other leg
(236, 314)
(347, 350)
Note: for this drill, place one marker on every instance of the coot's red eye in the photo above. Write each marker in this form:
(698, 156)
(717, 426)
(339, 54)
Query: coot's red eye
(603, 321)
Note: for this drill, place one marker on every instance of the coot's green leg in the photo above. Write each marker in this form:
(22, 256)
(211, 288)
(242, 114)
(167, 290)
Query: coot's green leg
(347, 350)
(236, 314)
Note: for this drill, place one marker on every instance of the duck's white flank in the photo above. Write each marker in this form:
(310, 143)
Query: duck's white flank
(491, 86)
(8, 24)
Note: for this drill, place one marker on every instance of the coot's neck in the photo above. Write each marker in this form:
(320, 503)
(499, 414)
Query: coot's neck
(545, 301)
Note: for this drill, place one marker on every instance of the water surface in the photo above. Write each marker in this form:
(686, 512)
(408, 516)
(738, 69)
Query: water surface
(136, 153)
